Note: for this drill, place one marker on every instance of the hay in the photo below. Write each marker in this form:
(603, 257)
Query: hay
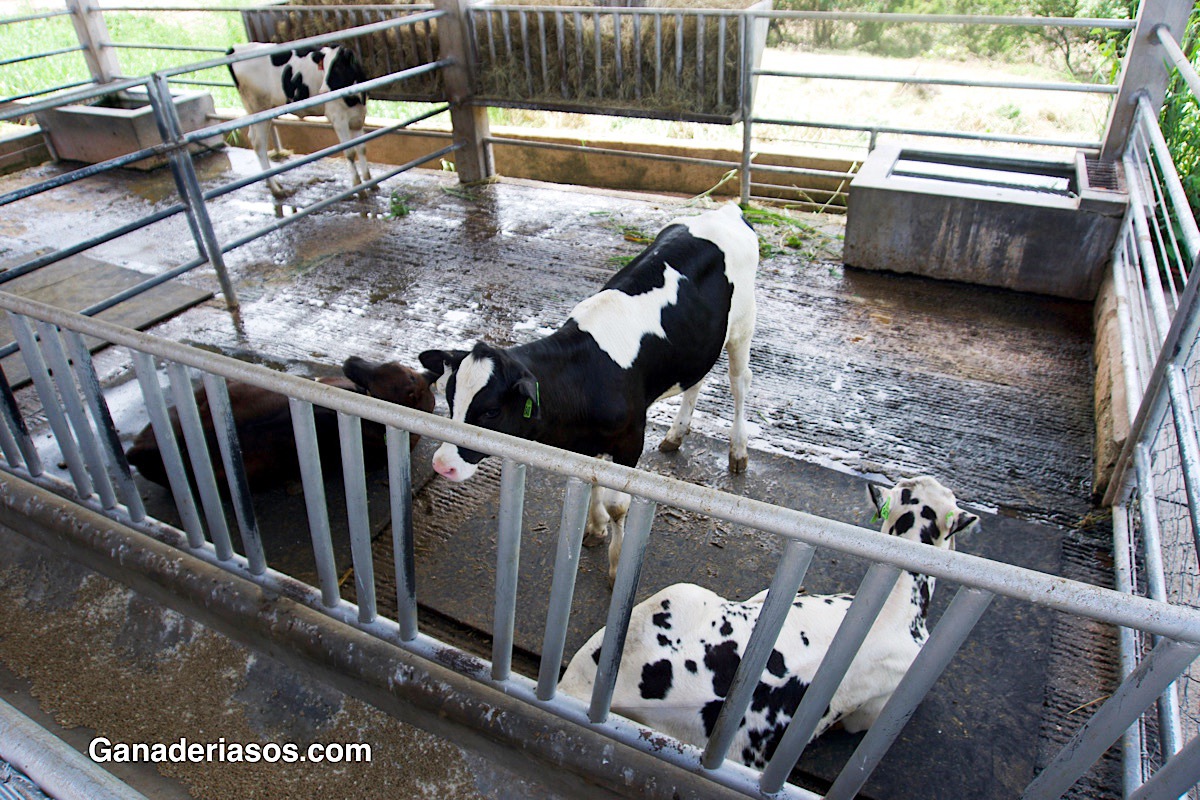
(550, 58)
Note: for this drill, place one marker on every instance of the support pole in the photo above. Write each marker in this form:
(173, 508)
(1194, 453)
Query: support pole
(469, 122)
(92, 32)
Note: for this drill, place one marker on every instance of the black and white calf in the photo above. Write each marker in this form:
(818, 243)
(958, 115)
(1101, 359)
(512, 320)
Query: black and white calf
(273, 81)
(686, 642)
(654, 330)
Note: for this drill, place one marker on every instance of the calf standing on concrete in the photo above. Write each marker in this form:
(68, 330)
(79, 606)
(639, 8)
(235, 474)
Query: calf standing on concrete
(273, 81)
(655, 330)
(685, 644)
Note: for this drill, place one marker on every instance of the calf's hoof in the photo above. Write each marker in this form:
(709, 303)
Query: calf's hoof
(737, 464)
(670, 444)
(592, 538)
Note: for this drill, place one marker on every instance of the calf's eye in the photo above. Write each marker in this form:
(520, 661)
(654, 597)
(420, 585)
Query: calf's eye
(491, 413)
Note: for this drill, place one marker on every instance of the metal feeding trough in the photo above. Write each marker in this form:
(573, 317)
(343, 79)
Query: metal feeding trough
(1033, 226)
(117, 124)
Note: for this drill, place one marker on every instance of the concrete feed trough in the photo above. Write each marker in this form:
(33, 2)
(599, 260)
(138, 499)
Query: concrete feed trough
(1040, 227)
(117, 124)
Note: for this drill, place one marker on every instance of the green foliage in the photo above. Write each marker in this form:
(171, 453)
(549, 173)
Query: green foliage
(1180, 121)
(398, 205)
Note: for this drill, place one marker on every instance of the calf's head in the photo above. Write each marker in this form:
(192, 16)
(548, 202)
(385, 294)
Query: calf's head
(921, 509)
(488, 387)
(391, 381)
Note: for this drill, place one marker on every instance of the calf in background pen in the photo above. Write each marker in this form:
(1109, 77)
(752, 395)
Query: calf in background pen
(273, 81)
(264, 425)
(654, 331)
(686, 642)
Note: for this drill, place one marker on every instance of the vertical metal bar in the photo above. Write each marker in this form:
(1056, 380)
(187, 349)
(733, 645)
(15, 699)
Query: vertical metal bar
(508, 45)
(1168, 705)
(1158, 302)
(85, 372)
(354, 476)
(491, 36)
(1157, 671)
(956, 624)
(637, 55)
(400, 487)
(225, 428)
(54, 413)
(679, 50)
(545, 54)
(793, 565)
(1129, 643)
(198, 455)
(17, 427)
(722, 26)
(562, 589)
(305, 431)
(192, 194)
(528, 56)
(8, 445)
(701, 31)
(629, 571)
(872, 594)
(508, 558)
(60, 370)
(599, 49)
(746, 25)
(1189, 446)
(168, 447)
(658, 53)
(618, 58)
(1175, 778)
(562, 51)
(579, 59)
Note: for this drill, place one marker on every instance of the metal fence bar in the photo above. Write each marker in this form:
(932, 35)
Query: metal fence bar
(304, 429)
(168, 447)
(874, 591)
(1178, 58)
(562, 588)
(1050, 86)
(1176, 778)
(1073, 597)
(60, 370)
(172, 47)
(33, 17)
(197, 448)
(354, 478)
(789, 574)
(24, 111)
(1157, 671)
(404, 558)
(17, 428)
(954, 19)
(944, 642)
(225, 429)
(508, 557)
(1189, 445)
(604, 151)
(1129, 644)
(8, 442)
(1147, 123)
(40, 375)
(629, 572)
(933, 134)
(46, 54)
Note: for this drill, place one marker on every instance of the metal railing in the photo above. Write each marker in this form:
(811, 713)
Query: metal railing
(175, 146)
(78, 416)
(1155, 493)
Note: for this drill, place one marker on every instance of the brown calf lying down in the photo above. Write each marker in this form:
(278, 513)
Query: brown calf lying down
(264, 426)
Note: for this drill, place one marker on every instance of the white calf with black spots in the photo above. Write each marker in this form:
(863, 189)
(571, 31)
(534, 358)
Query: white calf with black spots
(273, 81)
(654, 330)
(685, 644)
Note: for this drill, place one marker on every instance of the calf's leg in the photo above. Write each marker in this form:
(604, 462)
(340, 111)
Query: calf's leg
(683, 420)
(739, 384)
(260, 139)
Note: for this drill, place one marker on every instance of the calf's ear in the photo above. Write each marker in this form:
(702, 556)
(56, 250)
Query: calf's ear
(962, 521)
(438, 361)
(875, 492)
(527, 387)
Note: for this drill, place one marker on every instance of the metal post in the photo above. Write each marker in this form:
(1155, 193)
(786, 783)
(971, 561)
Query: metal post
(40, 375)
(956, 624)
(747, 100)
(1175, 778)
(354, 478)
(1144, 71)
(167, 118)
(508, 557)
(17, 427)
(796, 559)
(93, 36)
(400, 487)
(305, 431)
(85, 372)
(1157, 671)
(562, 589)
(225, 428)
(629, 571)
(470, 123)
(872, 594)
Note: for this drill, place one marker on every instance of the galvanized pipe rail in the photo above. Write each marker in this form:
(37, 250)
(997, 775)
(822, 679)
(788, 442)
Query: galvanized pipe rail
(1180, 627)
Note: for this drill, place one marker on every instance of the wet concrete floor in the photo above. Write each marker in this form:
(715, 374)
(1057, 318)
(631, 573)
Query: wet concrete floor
(856, 375)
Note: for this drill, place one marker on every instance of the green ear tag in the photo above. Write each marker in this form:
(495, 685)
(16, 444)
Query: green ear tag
(528, 409)
(884, 512)
(537, 391)
(949, 518)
